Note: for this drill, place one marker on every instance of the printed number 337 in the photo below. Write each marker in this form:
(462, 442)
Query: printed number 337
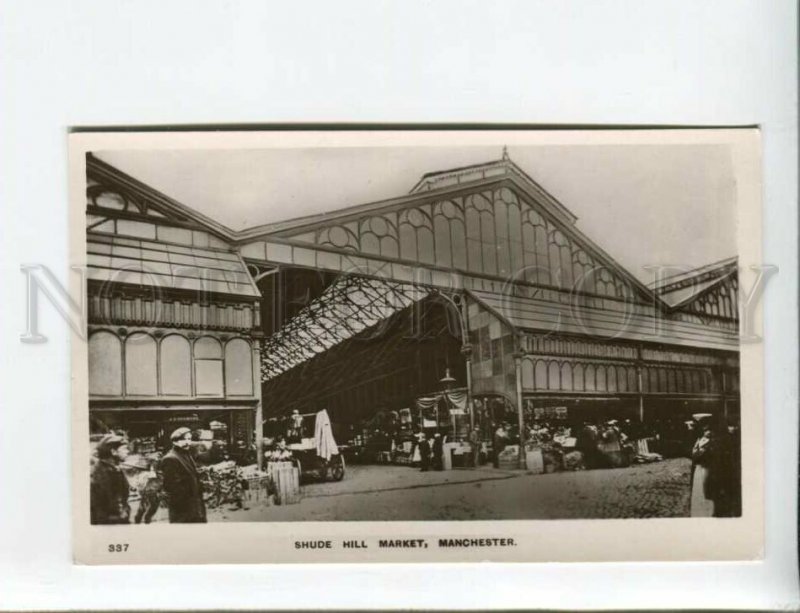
(118, 547)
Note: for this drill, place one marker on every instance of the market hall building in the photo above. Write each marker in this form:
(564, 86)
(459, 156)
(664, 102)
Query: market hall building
(473, 299)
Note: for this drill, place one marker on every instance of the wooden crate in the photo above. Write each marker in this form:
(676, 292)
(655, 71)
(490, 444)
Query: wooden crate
(258, 488)
(286, 481)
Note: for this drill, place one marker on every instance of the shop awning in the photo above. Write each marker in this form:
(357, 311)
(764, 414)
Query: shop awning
(347, 307)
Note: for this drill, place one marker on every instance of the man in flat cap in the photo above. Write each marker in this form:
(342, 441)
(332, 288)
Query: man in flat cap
(109, 489)
(182, 481)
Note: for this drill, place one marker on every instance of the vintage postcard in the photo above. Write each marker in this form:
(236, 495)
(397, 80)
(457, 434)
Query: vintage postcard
(411, 346)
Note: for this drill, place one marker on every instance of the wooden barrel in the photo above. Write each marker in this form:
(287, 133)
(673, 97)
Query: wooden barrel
(286, 480)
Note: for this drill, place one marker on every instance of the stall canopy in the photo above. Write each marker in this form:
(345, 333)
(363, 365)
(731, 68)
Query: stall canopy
(455, 398)
(347, 307)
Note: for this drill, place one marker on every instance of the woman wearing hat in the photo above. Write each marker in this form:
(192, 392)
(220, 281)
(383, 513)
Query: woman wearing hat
(109, 490)
(702, 502)
(182, 481)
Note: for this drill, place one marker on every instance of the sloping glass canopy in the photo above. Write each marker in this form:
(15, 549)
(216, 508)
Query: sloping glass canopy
(347, 307)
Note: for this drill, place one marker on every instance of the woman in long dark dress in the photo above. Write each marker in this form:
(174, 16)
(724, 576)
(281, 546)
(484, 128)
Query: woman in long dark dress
(725, 469)
(702, 501)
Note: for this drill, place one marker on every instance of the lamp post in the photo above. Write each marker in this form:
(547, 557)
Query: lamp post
(460, 306)
(447, 383)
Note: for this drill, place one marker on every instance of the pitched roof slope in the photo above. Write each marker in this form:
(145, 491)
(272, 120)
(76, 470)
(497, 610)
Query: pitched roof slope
(682, 288)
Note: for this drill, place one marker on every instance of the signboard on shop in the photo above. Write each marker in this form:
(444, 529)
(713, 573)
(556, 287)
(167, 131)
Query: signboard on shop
(550, 412)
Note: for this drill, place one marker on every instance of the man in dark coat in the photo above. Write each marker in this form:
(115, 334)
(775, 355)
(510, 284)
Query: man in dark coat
(438, 452)
(182, 481)
(475, 444)
(587, 444)
(109, 489)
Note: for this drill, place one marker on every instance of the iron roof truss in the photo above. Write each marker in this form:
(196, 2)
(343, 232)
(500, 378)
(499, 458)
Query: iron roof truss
(347, 307)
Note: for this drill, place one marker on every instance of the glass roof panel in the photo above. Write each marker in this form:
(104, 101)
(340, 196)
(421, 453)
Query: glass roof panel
(346, 307)
(167, 265)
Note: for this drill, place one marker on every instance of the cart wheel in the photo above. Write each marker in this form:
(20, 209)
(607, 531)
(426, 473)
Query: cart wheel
(336, 468)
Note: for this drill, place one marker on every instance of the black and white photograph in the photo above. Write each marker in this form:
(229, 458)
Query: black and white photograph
(413, 333)
(398, 305)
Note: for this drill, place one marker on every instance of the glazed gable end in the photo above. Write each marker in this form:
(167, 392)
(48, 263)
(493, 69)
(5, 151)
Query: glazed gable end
(492, 229)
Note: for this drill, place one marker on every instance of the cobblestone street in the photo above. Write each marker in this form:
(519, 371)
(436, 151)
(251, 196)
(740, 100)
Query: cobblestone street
(401, 493)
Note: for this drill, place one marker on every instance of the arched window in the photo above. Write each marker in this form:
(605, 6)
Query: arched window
(176, 366)
(529, 222)
(591, 384)
(577, 378)
(408, 242)
(672, 384)
(473, 224)
(583, 272)
(611, 378)
(541, 375)
(714, 382)
(208, 367)
(686, 381)
(553, 376)
(682, 381)
(604, 283)
(488, 242)
(482, 243)
(662, 380)
(444, 254)
(515, 241)
(105, 364)
(454, 212)
(542, 255)
(416, 231)
(564, 262)
(527, 374)
(602, 383)
(623, 383)
(652, 374)
(566, 377)
(238, 368)
(340, 237)
(703, 381)
(140, 365)
(502, 247)
(696, 384)
(633, 380)
(379, 236)
(556, 274)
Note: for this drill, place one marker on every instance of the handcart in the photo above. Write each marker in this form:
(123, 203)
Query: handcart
(319, 457)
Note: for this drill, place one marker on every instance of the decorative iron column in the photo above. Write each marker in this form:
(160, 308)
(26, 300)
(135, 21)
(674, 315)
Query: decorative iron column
(640, 383)
(466, 351)
(724, 396)
(518, 355)
(259, 438)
